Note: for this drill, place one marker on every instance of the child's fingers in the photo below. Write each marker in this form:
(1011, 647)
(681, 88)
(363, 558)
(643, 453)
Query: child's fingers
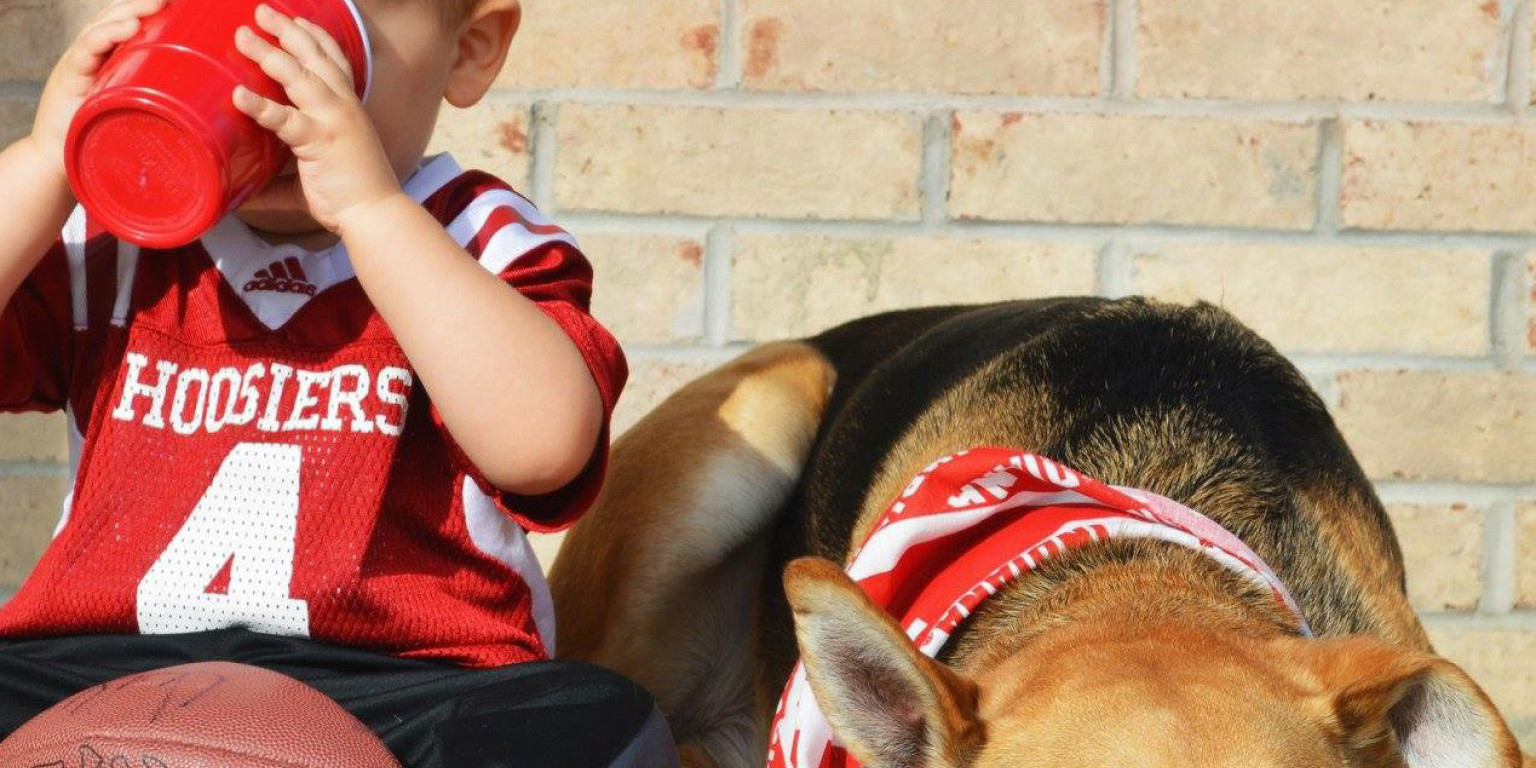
(304, 88)
(113, 27)
(128, 9)
(137, 9)
(293, 127)
(290, 36)
(299, 41)
(95, 42)
(332, 49)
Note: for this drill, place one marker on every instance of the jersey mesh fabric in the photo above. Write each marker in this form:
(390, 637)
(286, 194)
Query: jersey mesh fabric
(256, 451)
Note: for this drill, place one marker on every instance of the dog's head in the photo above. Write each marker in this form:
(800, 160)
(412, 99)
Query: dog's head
(1164, 697)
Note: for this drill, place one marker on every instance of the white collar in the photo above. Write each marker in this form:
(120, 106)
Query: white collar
(241, 255)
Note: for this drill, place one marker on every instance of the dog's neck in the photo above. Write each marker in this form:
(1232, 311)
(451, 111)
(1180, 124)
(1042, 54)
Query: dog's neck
(1122, 586)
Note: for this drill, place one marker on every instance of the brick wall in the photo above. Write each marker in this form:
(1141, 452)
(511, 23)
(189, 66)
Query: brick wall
(1356, 180)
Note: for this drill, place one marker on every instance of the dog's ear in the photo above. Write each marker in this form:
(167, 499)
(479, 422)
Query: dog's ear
(1387, 698)
(890, 705)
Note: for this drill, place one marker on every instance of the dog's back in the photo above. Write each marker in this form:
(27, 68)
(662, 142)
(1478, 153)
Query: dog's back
(795, 448)
(1182, 401)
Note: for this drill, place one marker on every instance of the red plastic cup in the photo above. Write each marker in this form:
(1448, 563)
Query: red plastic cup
(158, 154)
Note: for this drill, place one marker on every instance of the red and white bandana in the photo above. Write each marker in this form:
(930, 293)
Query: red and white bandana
(973, 522)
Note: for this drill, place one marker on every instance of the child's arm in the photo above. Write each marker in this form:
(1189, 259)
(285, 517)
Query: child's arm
(511, 387)
(37, 200)
(34, 193)
(509, 383)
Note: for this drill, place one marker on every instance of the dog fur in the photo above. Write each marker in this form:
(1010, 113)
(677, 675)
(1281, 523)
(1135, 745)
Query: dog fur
(1129, 653)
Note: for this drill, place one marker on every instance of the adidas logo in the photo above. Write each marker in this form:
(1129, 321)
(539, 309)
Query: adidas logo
(285, 276)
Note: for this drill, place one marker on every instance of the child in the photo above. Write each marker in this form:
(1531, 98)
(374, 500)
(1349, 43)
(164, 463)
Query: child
(312, 440)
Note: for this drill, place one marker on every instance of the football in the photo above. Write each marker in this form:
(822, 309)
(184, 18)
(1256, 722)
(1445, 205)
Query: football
(208, 715)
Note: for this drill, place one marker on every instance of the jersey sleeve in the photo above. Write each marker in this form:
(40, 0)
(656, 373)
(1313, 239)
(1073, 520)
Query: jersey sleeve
(511, 239)
(37, 338)
(558, 279)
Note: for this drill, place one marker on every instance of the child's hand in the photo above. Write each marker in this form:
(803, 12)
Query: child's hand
(75, 73)
(342, 166)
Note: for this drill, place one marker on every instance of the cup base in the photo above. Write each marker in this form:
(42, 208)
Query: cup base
(147, 178)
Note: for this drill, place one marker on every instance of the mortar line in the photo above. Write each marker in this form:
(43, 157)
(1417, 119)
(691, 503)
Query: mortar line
(33, 469)
(1107, 88)
(1123, 26)
(688, 354)
(1498, 566)
(1500, 63)
(1507, 309)
(1320, 363)
(20, 90)
(1315, 365)
(1524, 620)
(1517, 76)
(1058, 232)
(728, 62)
(1116, 272)
(1330, 177)
(1284, 111)
(541, 165)
(1481, 495)
(719, 263)
(933, 181)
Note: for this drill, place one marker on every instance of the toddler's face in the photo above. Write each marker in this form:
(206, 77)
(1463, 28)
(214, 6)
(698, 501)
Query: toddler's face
(413, 52)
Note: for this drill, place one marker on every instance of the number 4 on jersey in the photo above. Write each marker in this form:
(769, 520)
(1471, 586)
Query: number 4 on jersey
(245, 524)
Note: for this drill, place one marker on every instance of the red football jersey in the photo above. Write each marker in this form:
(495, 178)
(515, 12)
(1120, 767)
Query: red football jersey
(251, 448)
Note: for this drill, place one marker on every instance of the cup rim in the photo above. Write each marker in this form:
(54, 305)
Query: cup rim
(362, 30)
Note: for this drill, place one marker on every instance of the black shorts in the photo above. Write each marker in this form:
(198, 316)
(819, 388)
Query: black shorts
(430, 715)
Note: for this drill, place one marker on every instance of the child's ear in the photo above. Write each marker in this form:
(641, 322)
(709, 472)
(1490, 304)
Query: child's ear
(483, 39)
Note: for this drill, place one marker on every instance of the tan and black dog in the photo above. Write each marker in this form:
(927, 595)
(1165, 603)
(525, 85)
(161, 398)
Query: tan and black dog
(1127, 653)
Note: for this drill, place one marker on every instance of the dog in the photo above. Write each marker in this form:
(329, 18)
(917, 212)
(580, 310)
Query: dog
(714, 560)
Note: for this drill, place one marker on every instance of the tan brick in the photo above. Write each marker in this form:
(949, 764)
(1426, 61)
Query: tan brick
(1500, 661)
(649, 289)
(1331, 299)
(976, 46)
(1525, 555)
(1438, 425)
(15, 119)
(1524, 729)
(30, 507)
(1124, 169)
(1443, 550)
(488, 137)
(33, 35)
(547, 547)
(786, 286)
(663, 44)
(787, 163)
(1404, 50)
(34, 437)
(1439, 176)
(652, 381)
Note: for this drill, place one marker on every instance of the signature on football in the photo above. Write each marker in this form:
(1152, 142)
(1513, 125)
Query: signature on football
(178, 690)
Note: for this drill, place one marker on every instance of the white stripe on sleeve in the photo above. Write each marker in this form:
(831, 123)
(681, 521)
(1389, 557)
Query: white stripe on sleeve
(511, 241)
